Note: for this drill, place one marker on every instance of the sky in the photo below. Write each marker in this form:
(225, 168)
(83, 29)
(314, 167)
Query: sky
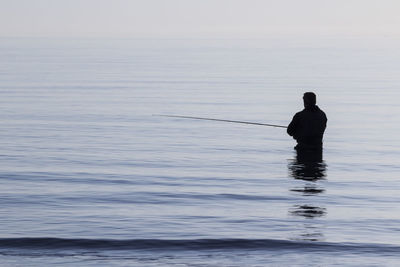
(197, 18)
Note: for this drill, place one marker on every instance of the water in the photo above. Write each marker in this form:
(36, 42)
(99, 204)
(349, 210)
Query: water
(89, 177)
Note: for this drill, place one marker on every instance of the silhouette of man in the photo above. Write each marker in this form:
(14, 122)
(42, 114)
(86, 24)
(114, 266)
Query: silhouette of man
(308, 126)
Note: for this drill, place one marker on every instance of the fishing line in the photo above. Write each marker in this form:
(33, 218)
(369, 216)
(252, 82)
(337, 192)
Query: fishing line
(211, 119)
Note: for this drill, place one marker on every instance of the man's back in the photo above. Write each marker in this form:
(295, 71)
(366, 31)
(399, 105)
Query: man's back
(308, 126)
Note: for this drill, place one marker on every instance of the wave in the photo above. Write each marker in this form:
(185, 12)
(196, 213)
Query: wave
(191, 244)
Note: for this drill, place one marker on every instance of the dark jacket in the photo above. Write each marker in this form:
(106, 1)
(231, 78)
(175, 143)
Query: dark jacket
(308, 127)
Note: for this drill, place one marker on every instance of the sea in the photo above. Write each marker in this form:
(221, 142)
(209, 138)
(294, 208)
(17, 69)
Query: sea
(91, 175)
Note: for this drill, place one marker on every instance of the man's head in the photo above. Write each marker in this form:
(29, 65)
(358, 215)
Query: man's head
(310, 99)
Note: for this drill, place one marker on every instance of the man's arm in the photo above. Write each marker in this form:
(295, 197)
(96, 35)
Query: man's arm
(291, 130)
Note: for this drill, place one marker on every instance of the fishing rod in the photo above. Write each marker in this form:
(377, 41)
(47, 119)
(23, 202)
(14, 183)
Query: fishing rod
(232, 121)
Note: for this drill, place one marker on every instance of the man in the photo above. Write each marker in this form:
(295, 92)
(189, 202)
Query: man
(308, 126)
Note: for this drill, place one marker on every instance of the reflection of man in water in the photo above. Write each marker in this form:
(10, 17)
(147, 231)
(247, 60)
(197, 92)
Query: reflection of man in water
(308, 165)
(308, 126)
(311, 168)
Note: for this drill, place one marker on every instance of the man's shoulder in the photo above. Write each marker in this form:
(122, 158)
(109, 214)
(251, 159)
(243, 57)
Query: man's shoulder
(319, 109)
(308, 112)
(322, 112)
(300, 113)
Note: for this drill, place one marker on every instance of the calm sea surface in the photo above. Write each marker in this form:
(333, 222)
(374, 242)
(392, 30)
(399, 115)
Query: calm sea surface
(89, 177)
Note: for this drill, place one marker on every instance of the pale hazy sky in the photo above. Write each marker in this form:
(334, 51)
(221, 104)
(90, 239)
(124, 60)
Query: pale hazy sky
(197, 18)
